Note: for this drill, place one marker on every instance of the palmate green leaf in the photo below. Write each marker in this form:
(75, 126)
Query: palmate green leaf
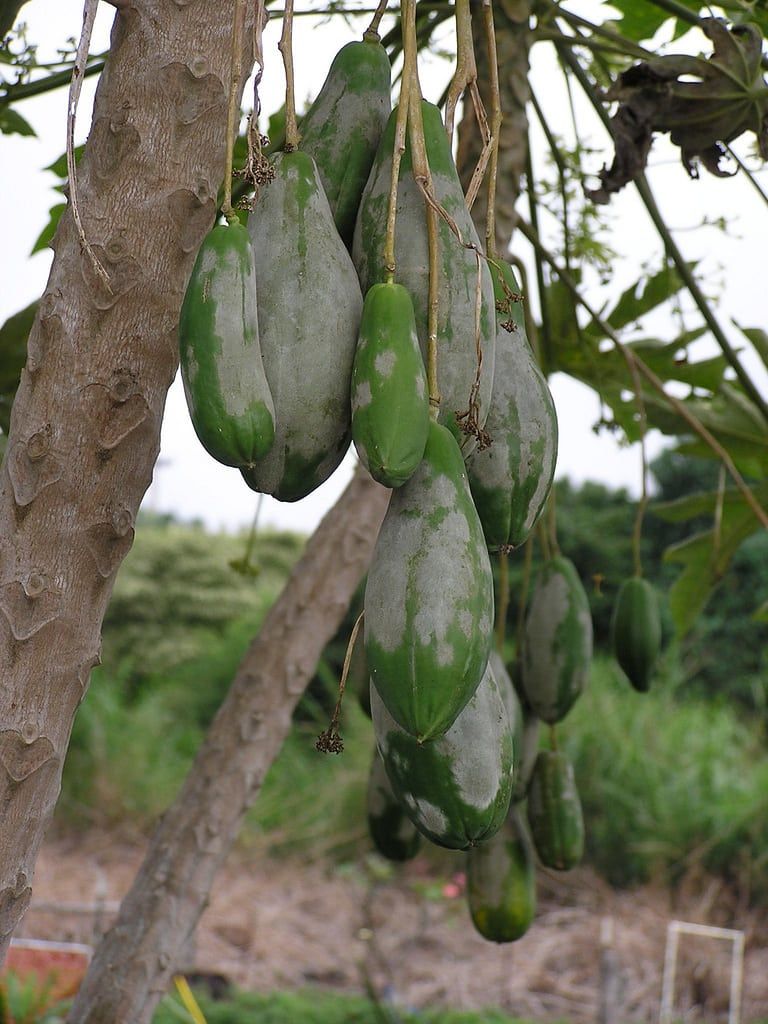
(641, 298)
(12, 123)
(759, 339)
(13, 355)
(45, 237)
(705, 558)
(639, 21)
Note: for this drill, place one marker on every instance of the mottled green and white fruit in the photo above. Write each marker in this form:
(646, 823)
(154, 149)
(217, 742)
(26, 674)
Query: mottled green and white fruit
(429, 595)
(309, 314)
(358, 678)
(511, 702)
(342, 129)
(512, 478)
(636, 631)
(526, 753)
(393, 833)
(557, 644)
(455, 788)
(457, 358)
(554, 812)
(501, 883)
(229, 400)
(390, 401)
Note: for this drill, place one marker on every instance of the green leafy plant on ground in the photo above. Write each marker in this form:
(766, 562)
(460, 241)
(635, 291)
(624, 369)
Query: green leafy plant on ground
(318, 1007)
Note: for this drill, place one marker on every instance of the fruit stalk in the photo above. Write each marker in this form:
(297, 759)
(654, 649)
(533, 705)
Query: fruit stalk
(232, 107)
(285, 46)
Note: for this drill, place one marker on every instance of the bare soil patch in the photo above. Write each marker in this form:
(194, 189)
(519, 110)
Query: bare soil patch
(286, 924)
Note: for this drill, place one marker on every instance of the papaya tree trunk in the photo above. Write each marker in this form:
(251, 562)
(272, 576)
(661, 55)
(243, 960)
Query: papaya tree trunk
(136, 958)
(85, 428)
(512, 26)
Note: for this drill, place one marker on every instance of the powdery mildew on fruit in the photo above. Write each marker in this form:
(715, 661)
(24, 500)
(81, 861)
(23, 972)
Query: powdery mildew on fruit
(309, 308)
(511, 479)
(558, 641)
(456, 788)
(457, 355)
(429, 596)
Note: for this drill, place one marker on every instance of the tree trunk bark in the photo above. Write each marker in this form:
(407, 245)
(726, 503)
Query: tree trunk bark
(86, 420)
(135, 960)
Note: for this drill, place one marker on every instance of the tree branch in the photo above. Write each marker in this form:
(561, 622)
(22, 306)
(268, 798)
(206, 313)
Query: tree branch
(135, 960)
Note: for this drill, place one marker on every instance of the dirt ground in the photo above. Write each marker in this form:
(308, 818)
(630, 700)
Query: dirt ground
(282, 923)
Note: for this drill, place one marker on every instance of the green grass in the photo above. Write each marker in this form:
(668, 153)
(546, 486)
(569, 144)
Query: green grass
(318, 1007)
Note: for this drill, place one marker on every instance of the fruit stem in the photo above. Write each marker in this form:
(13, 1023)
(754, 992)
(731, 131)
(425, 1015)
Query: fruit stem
(371, 34)
(285, 46)
(466, 67)
(502, 603)
(233, 109)
(495, 125)
(423, 176)
(409, 57)
(330, 742)
(637, 530)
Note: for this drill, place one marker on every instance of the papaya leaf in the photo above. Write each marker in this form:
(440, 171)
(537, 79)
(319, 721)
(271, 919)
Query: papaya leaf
(702, 503)
(703, 104)
(705, 559)
(759, 339)
(639, 21)
(641, 298)
(761, 615)
(12, 123)
(45, 237)
(13, 355)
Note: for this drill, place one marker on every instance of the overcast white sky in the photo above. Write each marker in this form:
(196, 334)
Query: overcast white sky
(189, 483)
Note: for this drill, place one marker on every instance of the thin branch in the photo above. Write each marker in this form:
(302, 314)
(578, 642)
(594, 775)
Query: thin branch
(494, 125)
(233, 107)
(372, 32)
(14, 92)
(679, 407)
(466, 68)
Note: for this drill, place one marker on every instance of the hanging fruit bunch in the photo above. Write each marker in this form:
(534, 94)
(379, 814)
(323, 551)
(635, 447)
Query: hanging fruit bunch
(360, 304)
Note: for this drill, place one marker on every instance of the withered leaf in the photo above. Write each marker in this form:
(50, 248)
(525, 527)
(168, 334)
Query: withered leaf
(702, 102)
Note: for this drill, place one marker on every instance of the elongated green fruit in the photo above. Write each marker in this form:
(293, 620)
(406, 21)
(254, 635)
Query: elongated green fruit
(501, 883)
(636, 631)
(511, 702)
(227, 393)
(309, 314)
(554, 812)
(457, 358)
(393, 833)
(455, 788)
(390, 403)
(526, 753)
(557, 647)
(343, 127)
(512, 478)
(429, 595)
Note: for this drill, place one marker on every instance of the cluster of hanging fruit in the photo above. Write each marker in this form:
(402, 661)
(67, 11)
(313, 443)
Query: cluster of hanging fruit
(359, 303)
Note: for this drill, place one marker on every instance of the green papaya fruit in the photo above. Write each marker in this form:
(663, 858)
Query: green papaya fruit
(393, 833)
(309, 314)
(636, 631)
(457, 359)
(228, 397)
(342, 129)
(557, 641)
(358, 678)
(456, 788)
(511, 702)
(511, 479)
(429, 595)
(526, 753)
(501, 883)
(390, 401)
(554, 812)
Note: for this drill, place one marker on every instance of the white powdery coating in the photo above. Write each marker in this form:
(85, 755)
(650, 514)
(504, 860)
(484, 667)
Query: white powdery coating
(430, 816)
(361, 396)
(541, 666)
(507, 691)
(474, 746)
(384, 363)
(420, 561)
(308, 333)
